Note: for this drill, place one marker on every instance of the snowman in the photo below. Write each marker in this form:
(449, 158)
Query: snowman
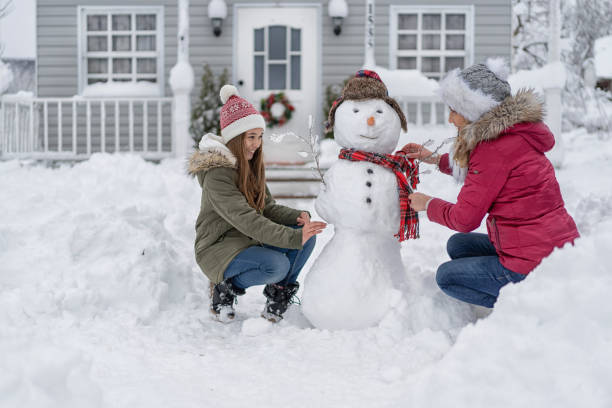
(353, 281)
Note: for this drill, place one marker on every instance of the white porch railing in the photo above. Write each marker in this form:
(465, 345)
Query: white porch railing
(75, 128)
(420, 110)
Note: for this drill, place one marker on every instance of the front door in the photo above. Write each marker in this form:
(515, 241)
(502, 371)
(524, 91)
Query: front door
(277, 51)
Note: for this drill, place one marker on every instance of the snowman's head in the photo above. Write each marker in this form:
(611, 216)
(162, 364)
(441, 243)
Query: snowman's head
(365, 117)
(370, 125)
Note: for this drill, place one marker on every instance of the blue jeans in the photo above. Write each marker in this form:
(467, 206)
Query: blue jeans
(261, 265)
(474, 274)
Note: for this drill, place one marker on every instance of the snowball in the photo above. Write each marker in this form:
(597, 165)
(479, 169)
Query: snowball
(181, 77)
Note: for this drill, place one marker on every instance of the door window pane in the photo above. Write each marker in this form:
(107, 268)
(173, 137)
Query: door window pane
(277, 74)
(406, 63)
(146, 66)
(455, 21)
(407, 21)
(145, 22)
(407, 41)
(259, 39)
(277, 42)
(97, 23)
(96, 43)
(97, 65)
(145, 43)
(453, 62)
(122, 43)
(295, 39)
(259, 72)
(431, 21)
(296, 71)
(431, 42)
(122, 22)
(122, 65)
(455, 41)
(430, 64)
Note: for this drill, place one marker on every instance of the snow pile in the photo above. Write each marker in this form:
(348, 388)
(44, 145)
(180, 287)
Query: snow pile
(603, 57)
(181, 77)
(118, 89)
(102, 304)
(6, 77)
(549, 76)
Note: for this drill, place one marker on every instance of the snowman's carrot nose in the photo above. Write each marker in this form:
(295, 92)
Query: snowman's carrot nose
(371, 121)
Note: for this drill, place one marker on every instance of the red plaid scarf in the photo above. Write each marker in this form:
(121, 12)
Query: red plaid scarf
(403, 169)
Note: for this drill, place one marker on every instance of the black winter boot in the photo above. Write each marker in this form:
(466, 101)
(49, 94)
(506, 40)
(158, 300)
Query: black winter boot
(222, 299)
(279, 298)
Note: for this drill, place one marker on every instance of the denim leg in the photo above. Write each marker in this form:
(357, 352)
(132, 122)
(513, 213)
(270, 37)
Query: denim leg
(475, 279)
(462, 245)
(297, 259)
(257, 265)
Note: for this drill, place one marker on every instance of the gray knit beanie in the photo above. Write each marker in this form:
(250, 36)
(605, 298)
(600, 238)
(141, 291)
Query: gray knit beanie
(477, 89)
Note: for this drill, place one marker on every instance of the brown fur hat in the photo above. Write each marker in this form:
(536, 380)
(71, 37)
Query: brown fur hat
(365, 85)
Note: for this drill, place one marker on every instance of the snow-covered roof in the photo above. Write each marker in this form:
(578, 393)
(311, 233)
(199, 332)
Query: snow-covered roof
(603, 57)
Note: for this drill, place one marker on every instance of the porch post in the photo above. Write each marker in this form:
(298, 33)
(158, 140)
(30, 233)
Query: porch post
(181, 81)
(370, 62)
(553, 94)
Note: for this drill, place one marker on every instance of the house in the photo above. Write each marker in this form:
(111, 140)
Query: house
(293, 46)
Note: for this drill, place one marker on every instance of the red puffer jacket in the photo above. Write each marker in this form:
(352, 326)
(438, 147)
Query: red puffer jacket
(510, 178)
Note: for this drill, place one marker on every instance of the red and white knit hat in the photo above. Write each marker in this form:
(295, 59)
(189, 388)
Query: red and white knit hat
(237, 114)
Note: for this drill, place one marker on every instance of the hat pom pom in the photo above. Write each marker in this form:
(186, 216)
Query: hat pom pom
(499, 67)
(227, 91)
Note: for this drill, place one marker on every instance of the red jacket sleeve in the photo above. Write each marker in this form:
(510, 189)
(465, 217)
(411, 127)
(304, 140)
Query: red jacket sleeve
(486, 177)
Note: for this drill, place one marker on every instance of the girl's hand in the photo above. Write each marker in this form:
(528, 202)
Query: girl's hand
(312, 228)
(303, 218)
(418, 201)
(417, 151)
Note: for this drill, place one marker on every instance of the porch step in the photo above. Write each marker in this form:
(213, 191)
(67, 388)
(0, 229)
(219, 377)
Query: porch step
(293, 181)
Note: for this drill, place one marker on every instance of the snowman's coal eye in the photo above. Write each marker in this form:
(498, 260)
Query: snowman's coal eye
(378, 110)
(355, 110)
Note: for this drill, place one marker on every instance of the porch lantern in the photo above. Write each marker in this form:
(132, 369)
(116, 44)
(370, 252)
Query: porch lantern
(217, 12)
(338, 11)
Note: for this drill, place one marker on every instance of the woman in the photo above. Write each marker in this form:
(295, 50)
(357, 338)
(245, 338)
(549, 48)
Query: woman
(243, 238)
(499, 155)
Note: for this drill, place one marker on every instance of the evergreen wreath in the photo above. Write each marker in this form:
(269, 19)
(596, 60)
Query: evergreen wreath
(266, 109)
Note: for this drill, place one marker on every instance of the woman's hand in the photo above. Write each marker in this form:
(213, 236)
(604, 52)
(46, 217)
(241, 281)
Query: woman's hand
(417, 151)
(303, 218)
(312, 228)
(418, 201)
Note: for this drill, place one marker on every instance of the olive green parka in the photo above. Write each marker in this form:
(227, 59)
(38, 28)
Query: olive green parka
(227, 224)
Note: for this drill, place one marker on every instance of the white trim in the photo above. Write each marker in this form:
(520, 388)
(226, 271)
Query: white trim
(467, 53)
(159, 53)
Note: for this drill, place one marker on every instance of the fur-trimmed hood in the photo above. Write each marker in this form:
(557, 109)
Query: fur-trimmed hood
(211, 153)
(523, 107)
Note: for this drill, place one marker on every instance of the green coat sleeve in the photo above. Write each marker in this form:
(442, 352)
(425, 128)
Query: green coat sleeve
(279, 213)
(227, 200)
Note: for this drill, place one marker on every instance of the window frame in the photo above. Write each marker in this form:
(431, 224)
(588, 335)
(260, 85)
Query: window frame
(394, 52)
(83, 53)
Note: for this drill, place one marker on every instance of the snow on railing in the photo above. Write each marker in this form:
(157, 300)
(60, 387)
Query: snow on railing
(77, 127)
(423, 110)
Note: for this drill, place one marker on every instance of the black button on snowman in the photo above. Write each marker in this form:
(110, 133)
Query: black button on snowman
(352, 282)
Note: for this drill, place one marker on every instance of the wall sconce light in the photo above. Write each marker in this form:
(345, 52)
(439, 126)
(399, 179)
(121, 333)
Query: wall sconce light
(338, 11)
(217, 12)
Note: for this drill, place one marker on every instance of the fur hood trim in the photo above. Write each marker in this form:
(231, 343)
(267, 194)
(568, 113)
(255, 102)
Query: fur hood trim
(525, 106)
(212, 153)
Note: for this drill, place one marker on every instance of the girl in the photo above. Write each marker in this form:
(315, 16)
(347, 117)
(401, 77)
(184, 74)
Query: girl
(499, 155)
(243, 238)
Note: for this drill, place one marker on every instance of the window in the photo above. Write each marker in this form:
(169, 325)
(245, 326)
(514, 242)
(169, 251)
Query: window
(433, 40)
(121, 45)
(278, 53)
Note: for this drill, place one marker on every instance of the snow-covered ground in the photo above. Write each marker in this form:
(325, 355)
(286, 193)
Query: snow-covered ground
(102, 305)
